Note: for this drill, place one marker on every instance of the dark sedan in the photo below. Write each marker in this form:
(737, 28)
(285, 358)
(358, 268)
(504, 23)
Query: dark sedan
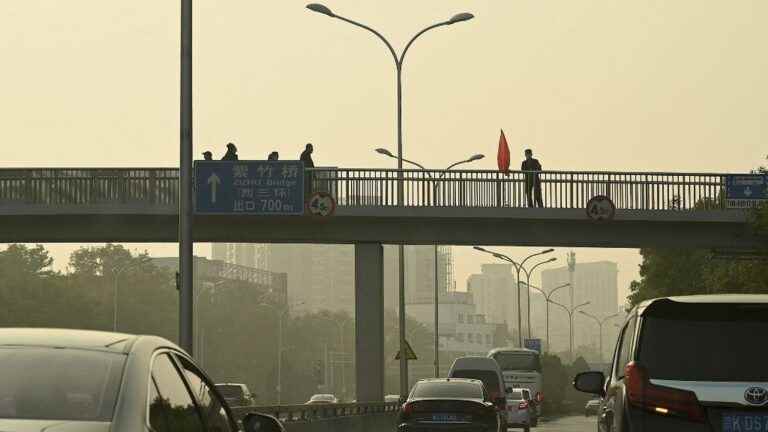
(450, 404)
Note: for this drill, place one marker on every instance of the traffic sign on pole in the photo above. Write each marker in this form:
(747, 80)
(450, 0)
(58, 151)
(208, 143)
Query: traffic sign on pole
(600, 208)
(409, 354)
(533, 344)
(249, 187)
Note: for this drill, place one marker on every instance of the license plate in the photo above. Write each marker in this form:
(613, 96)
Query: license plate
(445, 418)
(745, 422)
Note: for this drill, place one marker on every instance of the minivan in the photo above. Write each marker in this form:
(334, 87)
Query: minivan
(486, 370)
(687, 364)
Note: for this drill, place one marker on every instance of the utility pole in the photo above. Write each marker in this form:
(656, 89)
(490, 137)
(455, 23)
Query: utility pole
(571, 270)
(186, 294)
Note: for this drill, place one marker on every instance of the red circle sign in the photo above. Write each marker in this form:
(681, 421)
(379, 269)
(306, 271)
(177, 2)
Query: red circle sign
(601, 208)
(321, 204)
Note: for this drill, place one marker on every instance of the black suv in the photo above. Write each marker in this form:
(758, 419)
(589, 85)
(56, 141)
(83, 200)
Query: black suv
(694, 363)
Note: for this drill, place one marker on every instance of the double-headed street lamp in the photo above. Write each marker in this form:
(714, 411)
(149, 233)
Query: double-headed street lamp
(570, 321)
(472, 158)
(546, 300)
(280, 313)
(600, 323)
(519, 267)
(399, 60)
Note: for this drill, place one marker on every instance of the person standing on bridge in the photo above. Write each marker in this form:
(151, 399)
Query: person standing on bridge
(273, 156)
(306, 157)
(207, 155)
(231, 154)
(531, 167)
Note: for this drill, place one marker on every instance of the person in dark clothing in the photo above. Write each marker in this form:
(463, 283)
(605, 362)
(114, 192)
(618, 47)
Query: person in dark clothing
(531, 167)
(231, 153)
(207, 155)
(306, 156)
(274, 156)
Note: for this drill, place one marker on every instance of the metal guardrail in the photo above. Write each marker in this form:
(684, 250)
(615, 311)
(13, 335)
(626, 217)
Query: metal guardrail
(308, 413)
(357, 188)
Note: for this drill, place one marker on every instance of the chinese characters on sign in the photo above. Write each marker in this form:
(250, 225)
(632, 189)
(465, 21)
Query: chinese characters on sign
(746, 191)
(250, 187)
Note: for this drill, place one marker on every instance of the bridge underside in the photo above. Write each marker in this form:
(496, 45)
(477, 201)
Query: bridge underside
(513, 227)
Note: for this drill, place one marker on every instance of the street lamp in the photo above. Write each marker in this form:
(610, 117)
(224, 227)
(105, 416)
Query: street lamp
(570, 321)
(280, 315)
(324, 10)
(546, 300)
(472, 158)
(600, 323)
(528, 282)
(518, 267)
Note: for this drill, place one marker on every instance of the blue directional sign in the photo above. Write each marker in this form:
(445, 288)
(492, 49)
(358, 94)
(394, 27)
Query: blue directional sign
(249, 187)
(746, 191)
(533, 344)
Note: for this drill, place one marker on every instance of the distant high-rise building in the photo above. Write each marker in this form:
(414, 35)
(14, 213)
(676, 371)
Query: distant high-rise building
(593, 282)
(244, 254)
(495, 295)
(320, 277)
(419, 274)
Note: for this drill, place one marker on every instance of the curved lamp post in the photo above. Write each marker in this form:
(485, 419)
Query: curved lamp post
(546, 300)
(472, 158)
(600, 323)
(570, 320)
(399, 60)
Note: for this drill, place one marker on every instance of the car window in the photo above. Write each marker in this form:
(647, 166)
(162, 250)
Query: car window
(489, 378)
(446, 389)
(58, 384)
(215, 415)
(710, 342)
(172, 400)
(625, 349)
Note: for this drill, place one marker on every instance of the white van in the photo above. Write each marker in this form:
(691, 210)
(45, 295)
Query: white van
(486, 370)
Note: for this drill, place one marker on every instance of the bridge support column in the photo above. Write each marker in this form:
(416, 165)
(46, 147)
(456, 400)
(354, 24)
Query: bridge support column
(369, 322)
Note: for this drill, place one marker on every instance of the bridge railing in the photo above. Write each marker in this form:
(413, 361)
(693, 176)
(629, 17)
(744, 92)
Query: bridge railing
(560, 189)
(158, 188)
(307, 413)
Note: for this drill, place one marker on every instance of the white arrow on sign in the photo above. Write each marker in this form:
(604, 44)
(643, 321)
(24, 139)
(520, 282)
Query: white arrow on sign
(748, 191)
(214, 181)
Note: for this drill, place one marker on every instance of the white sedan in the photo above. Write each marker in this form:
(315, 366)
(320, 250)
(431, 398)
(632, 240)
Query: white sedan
(87, 381)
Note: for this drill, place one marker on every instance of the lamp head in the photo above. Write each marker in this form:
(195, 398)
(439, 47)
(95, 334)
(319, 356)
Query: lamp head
(385, 152)
(475, 157)
(464, 16)
(319, 8)
(478, 248)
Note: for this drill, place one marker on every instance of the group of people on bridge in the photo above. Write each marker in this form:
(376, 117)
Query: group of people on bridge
(231, 155)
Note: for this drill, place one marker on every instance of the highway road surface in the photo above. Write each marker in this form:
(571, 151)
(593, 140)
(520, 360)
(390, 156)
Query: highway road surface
(566, 424)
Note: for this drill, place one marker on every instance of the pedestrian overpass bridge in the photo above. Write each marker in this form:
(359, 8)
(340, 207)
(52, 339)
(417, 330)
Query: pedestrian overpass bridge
(447, 207)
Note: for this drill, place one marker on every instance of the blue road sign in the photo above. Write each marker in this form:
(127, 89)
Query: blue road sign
(746, 191)
(533, 344)
(249, 187)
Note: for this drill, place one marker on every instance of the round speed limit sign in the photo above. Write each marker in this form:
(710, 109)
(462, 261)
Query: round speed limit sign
(601, 208)
(321, 204)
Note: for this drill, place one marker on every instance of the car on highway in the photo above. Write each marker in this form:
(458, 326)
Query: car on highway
(76, 380)
(519, 409)
(687, 364)
(449, 404)
(236, 394)
(322, 399)
(391, 398)
(591, 407)
(486, 370)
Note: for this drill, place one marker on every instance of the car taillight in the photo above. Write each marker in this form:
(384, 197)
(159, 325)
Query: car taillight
(539, 397)
(658, 399)
(407, 409)
(523, 405)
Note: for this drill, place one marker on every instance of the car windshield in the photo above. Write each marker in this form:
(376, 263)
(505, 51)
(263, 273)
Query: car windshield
(521, 361)
(706, 343)
(322, 398)
(58, 384)
(489, 378)
(230, 391)
(448, 389)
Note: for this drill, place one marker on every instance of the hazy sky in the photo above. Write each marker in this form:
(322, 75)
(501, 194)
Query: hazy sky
(667, 85)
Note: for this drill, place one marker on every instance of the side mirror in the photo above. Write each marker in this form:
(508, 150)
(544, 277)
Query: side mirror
(590, 382)
(255, 422)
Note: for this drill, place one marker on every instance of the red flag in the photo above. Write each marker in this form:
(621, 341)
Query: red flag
(503, 155)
